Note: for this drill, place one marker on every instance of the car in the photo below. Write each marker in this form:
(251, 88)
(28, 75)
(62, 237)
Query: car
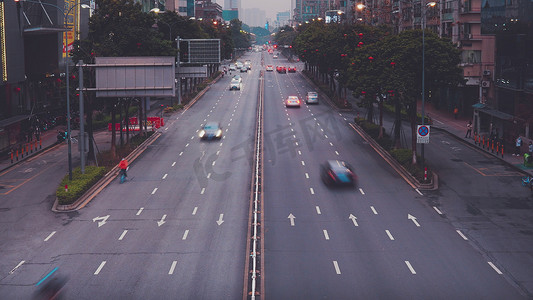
(292, 101)
(238, 77)
(337, 173)
(281, 69)
(243, 69)
(291, 69)
(270, 68)
(275, 56)
(211, 131)
(248, 65)
(235, 84)
(232, 68)
(312, 97)
(239, 65)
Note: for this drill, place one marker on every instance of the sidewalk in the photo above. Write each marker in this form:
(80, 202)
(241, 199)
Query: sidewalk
(443, 120)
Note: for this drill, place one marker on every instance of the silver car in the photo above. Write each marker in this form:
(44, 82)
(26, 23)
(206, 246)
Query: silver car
(312, 97)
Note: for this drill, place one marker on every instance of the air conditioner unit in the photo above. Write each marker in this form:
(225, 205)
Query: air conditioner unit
(486, 73)
(485, 84)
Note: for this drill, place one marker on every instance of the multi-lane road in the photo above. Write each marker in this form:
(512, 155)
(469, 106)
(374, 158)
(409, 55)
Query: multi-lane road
(178, 228)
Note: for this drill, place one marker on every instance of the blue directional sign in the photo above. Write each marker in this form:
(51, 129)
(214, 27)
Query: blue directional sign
(422, 134)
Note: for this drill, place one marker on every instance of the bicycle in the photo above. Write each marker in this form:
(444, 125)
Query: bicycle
(123, 175)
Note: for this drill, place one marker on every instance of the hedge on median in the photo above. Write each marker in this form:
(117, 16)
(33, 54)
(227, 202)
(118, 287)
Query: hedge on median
(79, 184)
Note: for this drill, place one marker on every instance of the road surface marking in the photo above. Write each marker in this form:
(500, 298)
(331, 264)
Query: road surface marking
(318, 210)
(322, 129)
(18, 266)
(214, 162)
(172, 267)
(419, 192)
(100, 268)
(390, 235)
(345, 119)
(326, 135)
(181, 153)
(208, 175)
(437, 210)
(296, 143)
(140, 211)
(337, 269)
(326, 235)
(220, 144)
(413, 218)
(462, 235)
(155, 190)
(303, 163)
(48, 275)
(194, 210)
(218, 152)
(292, 129)
(307, 175)
(166, 129)
(192, 137)
(185, 234)
(187, 145)
(122, 235)
(174, 163)
(495, 268)
(291, 217)
(312, 191)
(337, 152)
(162, 221)
(49, 236)
(165, 176)
(361, 191)
(299, 152)
(202, 191)
(331, 144)
(294, 135)
(410, 267)
(373, 210)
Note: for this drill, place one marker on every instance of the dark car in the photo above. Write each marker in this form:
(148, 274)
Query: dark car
(211, 131)
(337, 173)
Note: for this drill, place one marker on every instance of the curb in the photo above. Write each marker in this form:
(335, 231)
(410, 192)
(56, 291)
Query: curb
(410, 179)
(104, 181)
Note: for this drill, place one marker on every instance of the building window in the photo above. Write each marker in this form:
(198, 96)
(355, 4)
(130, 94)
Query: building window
(471, 56)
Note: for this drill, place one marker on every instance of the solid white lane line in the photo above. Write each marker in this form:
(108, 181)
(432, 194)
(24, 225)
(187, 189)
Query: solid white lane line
(326, 235)
(373, 210)
(390, 235)
(174, 163)
(318, 210)
(49, 236)
(185, 234)
(312, 191)
(155, 190)
(410, 267)
(462, 235)
(495, 268)
(202, 191)
(303, 163)
(194, 210)
(164, 176)
(307, 175)
(17, 266)
(437, 210)
(337, 269)
(361, 191)
(122, 235)
(172, 267)
(100, 268)
(139, 211)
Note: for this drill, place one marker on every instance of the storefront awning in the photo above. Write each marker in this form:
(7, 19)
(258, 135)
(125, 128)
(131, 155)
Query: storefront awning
(493, 112)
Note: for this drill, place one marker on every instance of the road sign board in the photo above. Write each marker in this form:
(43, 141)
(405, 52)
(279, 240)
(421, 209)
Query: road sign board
(422, 134)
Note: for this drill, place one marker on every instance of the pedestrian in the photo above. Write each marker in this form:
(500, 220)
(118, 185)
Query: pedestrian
(530, 148)
(455, 112)
(468, 129)
(518, 144)
(123, 165)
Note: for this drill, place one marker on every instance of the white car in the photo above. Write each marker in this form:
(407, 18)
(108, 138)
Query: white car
(292, 101)
(235, 84)
(312, 97)
(232, 68)
(275, 56)
(270, 68)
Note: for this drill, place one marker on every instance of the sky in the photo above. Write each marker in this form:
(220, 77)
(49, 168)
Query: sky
(271, 7)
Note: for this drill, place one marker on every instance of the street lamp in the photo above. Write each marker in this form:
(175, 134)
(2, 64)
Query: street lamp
(423, 25)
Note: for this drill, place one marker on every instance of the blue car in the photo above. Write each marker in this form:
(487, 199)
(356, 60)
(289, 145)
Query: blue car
(338, 173)
(211, 131)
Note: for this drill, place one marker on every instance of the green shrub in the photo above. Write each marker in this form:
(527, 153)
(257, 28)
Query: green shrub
(79, 184)
(403, 156)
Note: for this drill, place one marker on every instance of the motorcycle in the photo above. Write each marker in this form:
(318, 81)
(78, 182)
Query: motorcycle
(61, 136)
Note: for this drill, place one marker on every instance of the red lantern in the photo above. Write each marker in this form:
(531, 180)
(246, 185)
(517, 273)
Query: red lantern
(392, 64)
(361, 35)
(16, 89)
(363, 92)
(370, 58)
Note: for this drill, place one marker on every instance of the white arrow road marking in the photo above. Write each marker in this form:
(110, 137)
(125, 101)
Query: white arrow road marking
(100, 268)
(162, 221)
(337, 269)
(292, 217)
(122, 235)
(18, 266)
(410, 267)
(354, 220)
(220, 221)
(390, 235)
(172, 267)
(49, 236)
(373, 210)
(103, 220)
(326, 235)
(140, 211)
(413, 218)
(318, 210)
(185, 234)
(495, 268)
(462, 235)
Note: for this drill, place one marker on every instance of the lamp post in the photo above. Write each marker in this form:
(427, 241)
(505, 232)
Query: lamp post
(423, 25)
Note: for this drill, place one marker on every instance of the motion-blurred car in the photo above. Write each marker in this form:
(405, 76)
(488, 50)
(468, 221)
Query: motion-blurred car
(281, 69)
(270, 68)
(312, 97)
(337, 173)
(291, 69)
(211, 131)
(292, 101)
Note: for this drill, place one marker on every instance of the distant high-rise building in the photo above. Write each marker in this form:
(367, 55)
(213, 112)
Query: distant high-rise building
(282, 18)
(207, 9)
(182, 7)
(254, 17)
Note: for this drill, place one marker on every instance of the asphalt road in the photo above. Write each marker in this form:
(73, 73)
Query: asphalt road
(325, 243)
